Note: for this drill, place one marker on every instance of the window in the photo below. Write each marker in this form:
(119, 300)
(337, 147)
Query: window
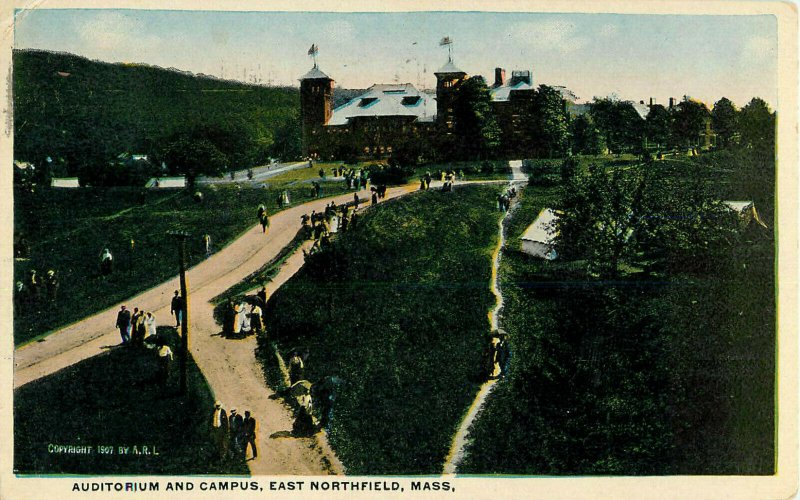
(367, 101)
(411, 100)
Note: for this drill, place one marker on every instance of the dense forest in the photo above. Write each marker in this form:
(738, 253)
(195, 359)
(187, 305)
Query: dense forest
(83, 114)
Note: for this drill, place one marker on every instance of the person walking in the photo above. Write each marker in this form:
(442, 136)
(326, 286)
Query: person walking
(149, 325)
(220, 429)
(262, 295)
(137, 327)
(176, 308)
(236, 428)
(295, 368)
(106, 262)
(264, 219)
(164, 364)
(229, 318)
(51, 285)
(255, 319)
(207, 243)
(250, 430)
(124, 324)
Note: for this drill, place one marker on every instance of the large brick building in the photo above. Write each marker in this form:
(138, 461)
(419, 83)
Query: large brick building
(388, 116)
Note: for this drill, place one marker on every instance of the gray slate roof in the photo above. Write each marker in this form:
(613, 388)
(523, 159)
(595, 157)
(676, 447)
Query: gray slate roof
(448, 68)
(315, 74)
(401, 99)
(503, 92)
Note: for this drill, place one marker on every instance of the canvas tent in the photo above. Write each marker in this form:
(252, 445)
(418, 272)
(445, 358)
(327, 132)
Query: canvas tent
(746, 210)
(65, 182)
(537, 240)
(166, 182)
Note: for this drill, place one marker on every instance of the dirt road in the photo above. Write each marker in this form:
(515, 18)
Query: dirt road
(229, 366)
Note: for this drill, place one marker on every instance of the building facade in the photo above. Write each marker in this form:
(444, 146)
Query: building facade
(390, 117)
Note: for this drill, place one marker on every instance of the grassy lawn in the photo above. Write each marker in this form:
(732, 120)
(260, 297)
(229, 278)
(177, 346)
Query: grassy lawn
(397, 309)
(110, 401)
(68, 229)
(648, 375)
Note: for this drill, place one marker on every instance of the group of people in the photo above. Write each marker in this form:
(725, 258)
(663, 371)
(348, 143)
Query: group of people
(35, 289)
(378, 193)
(234, 433)
(353, 178)
(496, 356)
(504, 199)
(243, 319)
(283, 199)
(320, 226)
(139, 330)
(447, 177)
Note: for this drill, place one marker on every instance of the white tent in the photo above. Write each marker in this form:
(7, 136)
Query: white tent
(166, 182)
(538, 238)
(65, 182)
(746, 210)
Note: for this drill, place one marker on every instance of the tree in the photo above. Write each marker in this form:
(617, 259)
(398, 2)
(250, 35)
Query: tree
(600, 212)
(475, 124)
(689, 120)
(193, 155)
(586, 137)
(658, 126)
(288, 143)
(619, 123)
(724, 119)
(550, 123)
(757, 125)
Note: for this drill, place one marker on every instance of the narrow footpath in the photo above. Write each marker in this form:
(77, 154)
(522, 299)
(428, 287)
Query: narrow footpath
(459, 443)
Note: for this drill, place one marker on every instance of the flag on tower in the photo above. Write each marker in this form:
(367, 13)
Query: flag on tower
(313, 50)
(446, 41)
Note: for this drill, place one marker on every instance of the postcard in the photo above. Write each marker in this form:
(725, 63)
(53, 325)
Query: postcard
(424, 249)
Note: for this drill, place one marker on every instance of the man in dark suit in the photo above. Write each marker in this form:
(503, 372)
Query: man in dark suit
(250, 430)
(176, 308)
(220, 429)
(124, 324)
(237, 427)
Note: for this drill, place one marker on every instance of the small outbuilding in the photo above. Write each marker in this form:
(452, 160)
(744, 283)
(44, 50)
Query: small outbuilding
(538, 238)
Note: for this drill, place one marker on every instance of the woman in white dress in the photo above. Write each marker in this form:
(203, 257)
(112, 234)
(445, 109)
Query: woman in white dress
(149, 325)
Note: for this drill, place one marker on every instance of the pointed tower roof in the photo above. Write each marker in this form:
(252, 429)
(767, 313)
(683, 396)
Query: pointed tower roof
(449, 68)
(315, 74)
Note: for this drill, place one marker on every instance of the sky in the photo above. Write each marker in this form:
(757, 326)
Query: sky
(633, 57)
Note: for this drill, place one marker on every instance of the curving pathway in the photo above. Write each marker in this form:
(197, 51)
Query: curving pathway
(230, 366)
(459, 443)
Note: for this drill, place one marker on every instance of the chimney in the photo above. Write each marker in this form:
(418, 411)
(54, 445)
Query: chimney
(652, 101)
(499, 77)
(671, 102)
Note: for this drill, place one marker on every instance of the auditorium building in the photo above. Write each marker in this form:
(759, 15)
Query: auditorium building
(388, 116)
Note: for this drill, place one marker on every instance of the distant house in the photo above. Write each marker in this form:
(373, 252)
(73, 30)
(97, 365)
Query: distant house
(65, 182)
(166, 182)
(538, 238)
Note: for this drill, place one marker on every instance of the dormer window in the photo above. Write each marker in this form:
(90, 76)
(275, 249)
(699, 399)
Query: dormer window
(367, 101)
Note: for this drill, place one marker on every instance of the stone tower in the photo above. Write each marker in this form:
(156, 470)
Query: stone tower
(448, 78)
(316, 107)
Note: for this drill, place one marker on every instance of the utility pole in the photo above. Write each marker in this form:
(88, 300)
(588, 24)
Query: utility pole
(181, 235)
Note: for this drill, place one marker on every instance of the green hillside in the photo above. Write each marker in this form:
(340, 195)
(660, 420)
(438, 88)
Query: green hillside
(83, 112)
